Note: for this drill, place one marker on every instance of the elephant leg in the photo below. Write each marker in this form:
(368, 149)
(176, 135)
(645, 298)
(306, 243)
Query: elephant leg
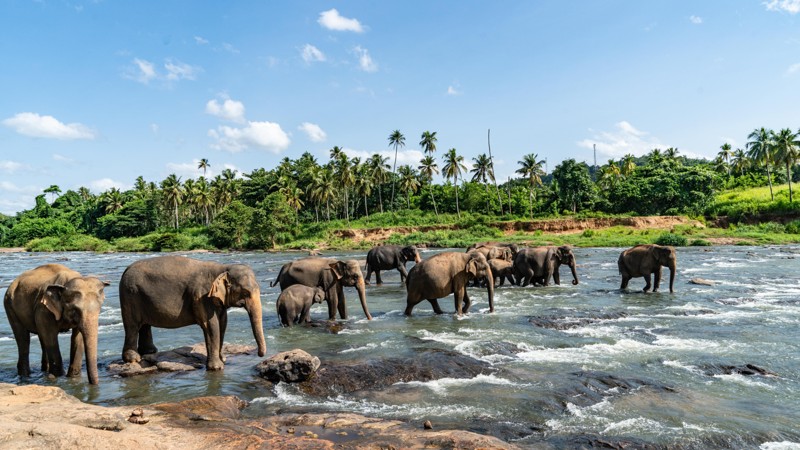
(211, 329)
(369, 274)
(342, 306)
(467, 302)
(378, 279)
(403, 273)
(657, 279)
(647, 282)
(75, 354)
(556, 277)
(44, 357)
(129, 353)
(625, 280)
(23, 338)
(146, 346)
(223, 326)
(305, 314)
(55, 365)
(435, 305)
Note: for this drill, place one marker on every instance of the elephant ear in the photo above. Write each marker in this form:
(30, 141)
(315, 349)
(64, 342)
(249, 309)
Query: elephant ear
(336, 269)
(52, 300)
(219, 289)
(472, 267)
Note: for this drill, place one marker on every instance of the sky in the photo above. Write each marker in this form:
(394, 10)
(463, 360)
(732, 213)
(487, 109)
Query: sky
(96, 93)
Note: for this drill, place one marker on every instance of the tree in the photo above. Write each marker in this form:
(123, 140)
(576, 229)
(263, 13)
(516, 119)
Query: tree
(761, 151)
(627, 165)
(725, 153)
(173, 193)
(408, 182)
(787, 152)
(740, 162)
(427, 168)
(397, 140)
(575, 188)
(453, 167)
(203, 164)
(111, 200)
(531, 169)
(203, 198)
(54, 190)
(610, 174)
(363, 184)
(378, 171)
(346, 178)
(84, 193)
(323, 188)
(482, 172)
(428, 142)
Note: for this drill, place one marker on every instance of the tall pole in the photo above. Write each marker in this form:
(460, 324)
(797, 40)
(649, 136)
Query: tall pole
(491, 161)
(594, 149)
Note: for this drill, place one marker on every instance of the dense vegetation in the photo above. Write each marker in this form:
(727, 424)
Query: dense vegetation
(301, 201)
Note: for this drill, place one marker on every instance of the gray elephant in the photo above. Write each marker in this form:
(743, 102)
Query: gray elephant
(513, 247)
(444, 274)
(50, 299)
(539, 264)
(495, 252)
(388, 257)
(502, 270)
(174, 292)
(294, 303)
(644, 260)
(330, 275)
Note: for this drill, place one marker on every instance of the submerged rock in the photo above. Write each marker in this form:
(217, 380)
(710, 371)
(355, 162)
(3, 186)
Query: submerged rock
(290, 367)
(702, 282)
(742, 369)
(573, 320)
(181, 359)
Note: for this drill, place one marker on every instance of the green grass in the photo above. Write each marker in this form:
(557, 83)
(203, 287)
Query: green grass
(738, 203)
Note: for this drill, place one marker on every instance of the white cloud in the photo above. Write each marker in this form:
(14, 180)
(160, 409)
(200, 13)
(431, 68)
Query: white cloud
(154, 128)
(365, 61)
(696, 20)
(189, 170)
(32, 124)
(143, 71)
(313, 131)
(200, 41)
(332, 20)
(451, 90)
(312, 54)
(790, 6)
(62, 158)
(104, 184)
(793, 69)
(177, 70)
(265, 135)
(623, 140)
(410, 157)
(232, 110)
(9, 166)
(229, 48)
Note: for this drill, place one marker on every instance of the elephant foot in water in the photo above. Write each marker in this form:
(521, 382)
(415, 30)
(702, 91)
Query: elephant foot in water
(131, 356)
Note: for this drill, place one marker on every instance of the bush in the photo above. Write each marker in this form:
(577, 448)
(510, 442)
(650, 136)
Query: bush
(700, 243)
(793, 227)
(28, 229)
(674, 240)
(587, 233)
(68, 243)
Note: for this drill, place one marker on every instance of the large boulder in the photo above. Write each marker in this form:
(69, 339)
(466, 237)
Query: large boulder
(290, 367)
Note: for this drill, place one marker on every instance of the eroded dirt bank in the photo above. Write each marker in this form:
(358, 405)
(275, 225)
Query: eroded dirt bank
(35, 416)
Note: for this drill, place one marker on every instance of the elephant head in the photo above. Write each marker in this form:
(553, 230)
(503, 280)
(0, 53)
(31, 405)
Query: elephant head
(76, 304)
(237, 286)
(564, 255)
(319, 295)
(409, 253)
(478, 267)
(665, 256)
(348, 273)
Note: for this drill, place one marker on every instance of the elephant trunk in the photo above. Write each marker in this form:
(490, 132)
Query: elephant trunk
(490, 288)
(574, 272)
(672, 270)
(362, 296)
(88, 329)
(253, 307)
(417, 258)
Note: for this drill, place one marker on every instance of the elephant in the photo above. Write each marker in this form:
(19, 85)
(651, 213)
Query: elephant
(502, 270)
(643, 260)
(175, 291)
(538, 264)
(495, 252)
(330, 275)
(294, 303)
(387, 257)
(444, 274)
(50, 299)
(513, 247)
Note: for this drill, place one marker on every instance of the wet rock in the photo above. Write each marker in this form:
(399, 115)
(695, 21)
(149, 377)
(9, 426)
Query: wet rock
(131, 369)
(742, 369)
(427, 425)
(181, 359)
(167, 366)
(694, 312)
(329, 326)
(205, 408)
(429, 364)
(702, 281)
(290, 367)
(597, 442)
(573, 320)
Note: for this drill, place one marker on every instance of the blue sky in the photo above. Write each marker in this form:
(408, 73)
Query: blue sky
(96, 93)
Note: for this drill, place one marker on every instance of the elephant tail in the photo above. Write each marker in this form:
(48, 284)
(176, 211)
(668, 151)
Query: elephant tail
(278, 278)
(621, 264)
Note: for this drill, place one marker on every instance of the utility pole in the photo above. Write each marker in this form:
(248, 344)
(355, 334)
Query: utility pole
(594, 149)
(491, 161)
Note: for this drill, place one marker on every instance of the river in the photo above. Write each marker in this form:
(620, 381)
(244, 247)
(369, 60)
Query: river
(565, 363)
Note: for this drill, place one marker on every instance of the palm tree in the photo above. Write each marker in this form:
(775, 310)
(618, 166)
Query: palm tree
(84, 193)
(740, 161)
(725, 153)
(609, 175)
(532, 170)
(397, 140)
(378, 171)
(482, 172)
(203, 164)
(428, 142)
(363, 183)
(408, 182)
(173, 193)
(323, 187)
(655, 156)
(346, 178)
(453, 167)
(627, 165)
(428, 168)
(787, 151)
(761, 150)
(202, 197)
(112, 200)
(671, 153)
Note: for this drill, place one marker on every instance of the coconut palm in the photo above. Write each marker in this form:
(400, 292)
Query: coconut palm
(740, 161)
(203, 198)
(378, 171)
(363, 183)
(671, 153)
(454, 167)
(483, 171)
(609, 175)
(112, 200)
(408, 182)
(787, 152)
(346, 179)
(627, 164)
(323, 188)
(397, 140)
(84, 193)
(427, 169)
(428, 142)
(203, 164)
(173, 193)
(531, 169)
(726, 153)
(761, 150)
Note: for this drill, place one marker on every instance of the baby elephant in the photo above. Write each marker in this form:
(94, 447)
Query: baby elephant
(294, 303)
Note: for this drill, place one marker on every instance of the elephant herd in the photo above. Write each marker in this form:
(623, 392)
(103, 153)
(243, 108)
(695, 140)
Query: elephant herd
(175, 291)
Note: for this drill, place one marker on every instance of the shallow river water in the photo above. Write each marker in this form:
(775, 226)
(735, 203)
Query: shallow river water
(565, 364)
